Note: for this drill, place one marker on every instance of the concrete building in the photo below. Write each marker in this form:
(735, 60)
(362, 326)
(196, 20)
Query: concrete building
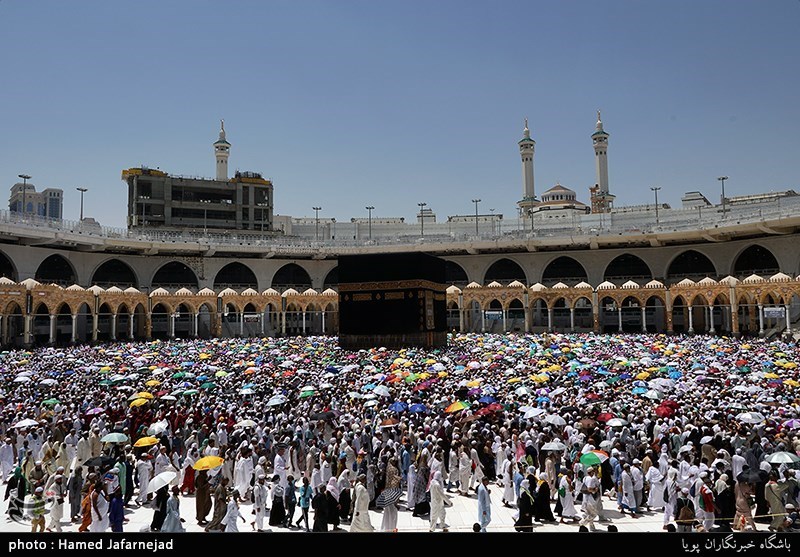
(157, 200)
(48, 203)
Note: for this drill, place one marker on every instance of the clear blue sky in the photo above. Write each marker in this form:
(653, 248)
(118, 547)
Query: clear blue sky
(346, 104)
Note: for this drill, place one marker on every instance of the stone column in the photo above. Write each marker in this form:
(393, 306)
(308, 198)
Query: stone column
(74, 336)
(148, 326)
(668, 311)
(788, 321)
(483, 321)
(283, 323)
(644, 319)
(27, 336)
(130, 325)
(760, 320)
(595, 314)
(505, 327)
(263, 319)
(52, 339)
(619, 318)
(171, 326)
(323, 322)
(711, 329)
(460, 313)
(241, 323)
(113, 326)
(304, 322)
(95, 325)
(691, 321)
(571, 320)
(526, 305)
(549, 320)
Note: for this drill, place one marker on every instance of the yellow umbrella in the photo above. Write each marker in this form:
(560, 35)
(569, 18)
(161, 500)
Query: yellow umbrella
(138, 402)
(221, 374)
(430, 361)
(474, 383)
(208, 463)
(791, 383)
(643, 375)
(515, 380)
(408, 364)
(424, 375)
(790, 365)
(144, 394)
(771, 376)
(541, 378)
(153, 383)
(146, 442)
(442, 374)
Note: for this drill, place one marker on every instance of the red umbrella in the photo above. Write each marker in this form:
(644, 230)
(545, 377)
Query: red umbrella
(605, 416)
(483, 412)
(592, 396)
(495, 407)
(664, 411)
(670, 404)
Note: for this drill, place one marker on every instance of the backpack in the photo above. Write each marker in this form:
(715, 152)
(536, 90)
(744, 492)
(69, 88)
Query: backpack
(686, 513)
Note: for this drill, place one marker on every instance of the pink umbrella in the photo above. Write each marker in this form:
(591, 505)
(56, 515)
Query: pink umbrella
(94, 411)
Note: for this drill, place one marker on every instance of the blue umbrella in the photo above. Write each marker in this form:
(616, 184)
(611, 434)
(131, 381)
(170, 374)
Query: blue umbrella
(604, 372)
(542, 399)
(202, 377)
(639, 390)
(625, 376)
(398, 407)
(368, 387)
(486, 399)
(585, 378)
(675, 375)
(418, 408)
(187, 364)
(639, 383)
(248, 386)
(332, 369)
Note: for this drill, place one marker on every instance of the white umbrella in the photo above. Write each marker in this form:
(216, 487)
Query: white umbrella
(554, 446)
(740, 389)
(606, 444)
(307, 388)
(555, 419)
(782, 457)
(27, 422)
(381, 390)
(370, 403)
(370, 396)
(558, 391)
(158, 428)
(160, 481)
(276, 400)
(287, 364)
(617, 422)
(653, 394)
(533, 412)
(706, 439)
(168, 397)
(247, 392)
(246, 423)
(751, 417)
(354, 394)
(22, 379)
(48, 382)
(522, 391)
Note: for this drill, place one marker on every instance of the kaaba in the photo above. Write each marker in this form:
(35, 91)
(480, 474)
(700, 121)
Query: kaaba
(392, 300)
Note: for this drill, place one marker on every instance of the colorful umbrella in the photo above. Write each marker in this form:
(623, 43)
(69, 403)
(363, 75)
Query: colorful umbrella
(457, 406)
(146, 442)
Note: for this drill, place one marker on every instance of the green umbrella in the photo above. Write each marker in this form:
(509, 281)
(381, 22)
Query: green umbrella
(191, 392)
(592, 459)
(208, 385)
(51, 401)
(178, 375)
(306, 394)
(612, 380)
(115, 438)
(106, 383)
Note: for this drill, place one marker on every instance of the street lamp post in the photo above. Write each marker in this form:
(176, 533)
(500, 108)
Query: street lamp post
(82, 190)
(264, 207)
(316, 216)
(655, 189)
(205, 203)
(722, 179)
(493, 224)
(476, 201)
(370, 208)
(25, 178)
(422, 218)
(143, 198)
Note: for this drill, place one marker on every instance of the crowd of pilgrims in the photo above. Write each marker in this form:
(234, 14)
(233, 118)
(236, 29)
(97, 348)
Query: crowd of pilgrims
(314, 437)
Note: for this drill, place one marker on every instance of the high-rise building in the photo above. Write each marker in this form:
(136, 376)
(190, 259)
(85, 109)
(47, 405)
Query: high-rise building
(160, 200)
(48, 203)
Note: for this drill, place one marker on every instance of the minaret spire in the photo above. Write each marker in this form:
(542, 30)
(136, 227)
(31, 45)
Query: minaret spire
(222, 151)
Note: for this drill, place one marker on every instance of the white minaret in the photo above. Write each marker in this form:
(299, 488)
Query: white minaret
(600, 141)
(222, 149)
(526, 147)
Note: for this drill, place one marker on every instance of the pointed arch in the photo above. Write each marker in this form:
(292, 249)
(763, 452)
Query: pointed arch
(564, 269)
(627, 267)
(115, 272)
(505, 271)
(174, 274)
(291, 275)
(755, 260)
(235, 275)
(7, 268)
(455, 274)
(331, 279)
(690, 264)
(56, 269)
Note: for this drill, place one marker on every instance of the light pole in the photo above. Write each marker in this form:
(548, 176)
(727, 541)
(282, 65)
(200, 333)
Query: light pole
(370, 208)
(82, 190)
(530, 216)
(722, 179)
(25, 178)
(493, 226)
(143, 198)
(263, 208)
(422, 218)
(205, 203)
(476, 201)
(316, 216)
(655, 189)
